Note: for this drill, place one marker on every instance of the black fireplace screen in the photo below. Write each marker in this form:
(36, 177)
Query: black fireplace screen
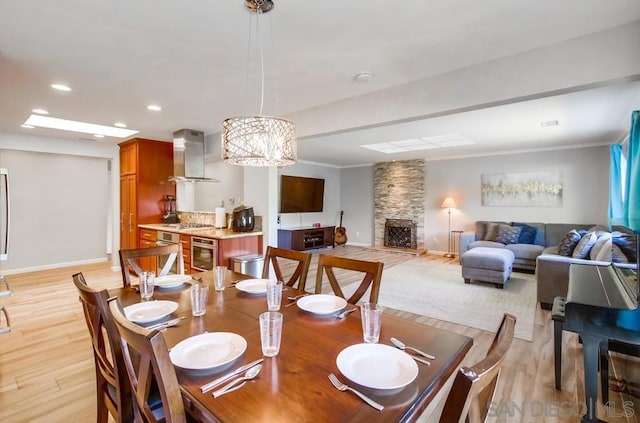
(400, 233)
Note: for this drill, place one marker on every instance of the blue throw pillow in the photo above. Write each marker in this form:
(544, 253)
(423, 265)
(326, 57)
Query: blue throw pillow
(527, 233)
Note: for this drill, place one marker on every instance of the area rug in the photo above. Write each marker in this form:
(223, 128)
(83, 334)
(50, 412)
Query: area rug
(437, 290)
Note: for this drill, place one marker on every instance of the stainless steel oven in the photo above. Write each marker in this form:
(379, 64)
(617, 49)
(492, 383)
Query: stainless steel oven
(204, 252)
(167, 238)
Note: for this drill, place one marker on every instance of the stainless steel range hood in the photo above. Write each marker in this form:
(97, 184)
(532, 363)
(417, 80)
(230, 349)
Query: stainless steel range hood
(188, 157)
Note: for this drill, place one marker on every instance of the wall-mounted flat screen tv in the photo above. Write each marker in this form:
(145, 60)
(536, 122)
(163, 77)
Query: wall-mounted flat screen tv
(301, 195)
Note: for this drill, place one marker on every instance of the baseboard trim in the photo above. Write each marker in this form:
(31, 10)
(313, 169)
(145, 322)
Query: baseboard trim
(53, 266)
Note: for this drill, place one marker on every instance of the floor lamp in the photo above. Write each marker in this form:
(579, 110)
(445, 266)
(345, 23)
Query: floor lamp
(449, 203)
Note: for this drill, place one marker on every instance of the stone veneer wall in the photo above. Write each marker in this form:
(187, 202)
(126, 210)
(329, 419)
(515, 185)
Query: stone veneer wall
(399, 193)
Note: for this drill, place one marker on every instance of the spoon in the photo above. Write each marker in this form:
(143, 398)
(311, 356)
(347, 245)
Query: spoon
(399, 344)
(252, 373)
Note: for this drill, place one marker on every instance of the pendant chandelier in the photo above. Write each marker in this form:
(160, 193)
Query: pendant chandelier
(259, 140)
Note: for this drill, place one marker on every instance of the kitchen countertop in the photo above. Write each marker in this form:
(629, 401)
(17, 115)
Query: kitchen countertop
(203, 232)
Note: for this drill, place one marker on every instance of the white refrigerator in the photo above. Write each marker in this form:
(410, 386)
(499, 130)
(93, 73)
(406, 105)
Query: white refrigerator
(5, 325)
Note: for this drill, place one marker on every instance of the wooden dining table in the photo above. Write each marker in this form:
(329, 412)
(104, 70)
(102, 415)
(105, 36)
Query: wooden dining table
(294, 385)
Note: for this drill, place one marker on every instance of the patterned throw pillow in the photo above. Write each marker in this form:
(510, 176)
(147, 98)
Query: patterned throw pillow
(527, 234)
(568, 242)
(617, 256)
(627, 244)
(581, 251)
(508, 234)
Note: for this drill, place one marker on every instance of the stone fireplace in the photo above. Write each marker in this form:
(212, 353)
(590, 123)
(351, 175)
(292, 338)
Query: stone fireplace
(399, 198)
(400, 233)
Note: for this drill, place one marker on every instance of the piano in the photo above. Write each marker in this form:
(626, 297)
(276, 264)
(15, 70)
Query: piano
(602, 304)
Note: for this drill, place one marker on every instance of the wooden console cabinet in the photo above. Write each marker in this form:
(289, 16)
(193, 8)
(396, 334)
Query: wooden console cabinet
(306, 238)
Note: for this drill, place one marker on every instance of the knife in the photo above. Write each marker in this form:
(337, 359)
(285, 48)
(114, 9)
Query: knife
(222, 379)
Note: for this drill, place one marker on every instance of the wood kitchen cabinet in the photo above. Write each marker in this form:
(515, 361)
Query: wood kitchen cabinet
(145, 166)
(185, 243)
(240, 246)
(148, 239)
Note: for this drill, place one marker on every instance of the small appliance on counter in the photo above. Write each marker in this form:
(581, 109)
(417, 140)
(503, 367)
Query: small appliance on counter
(243, 219)
(170, 215)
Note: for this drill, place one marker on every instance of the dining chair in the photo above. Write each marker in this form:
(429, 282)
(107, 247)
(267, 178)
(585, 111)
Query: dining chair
(146, 358)
(129, 260)
(473, 387)
(282, 257)
(112, 386)
(372, 276)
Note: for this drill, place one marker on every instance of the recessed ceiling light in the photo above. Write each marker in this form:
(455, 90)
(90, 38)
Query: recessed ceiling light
(61, 87)
(120, 125)
(98, 135)
(364, 76)
(154, 107)
(24, 125)
(40, 111)
(549, 123)
(75, 126)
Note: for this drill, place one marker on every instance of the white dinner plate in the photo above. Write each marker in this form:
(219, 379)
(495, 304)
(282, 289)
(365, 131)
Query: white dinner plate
(171, 281)
(253, 286)
(149, 311)
(321, 303)
(377, 366)
(208, 350)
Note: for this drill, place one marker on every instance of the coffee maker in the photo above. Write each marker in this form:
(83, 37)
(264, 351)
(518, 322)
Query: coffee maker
(170, 215)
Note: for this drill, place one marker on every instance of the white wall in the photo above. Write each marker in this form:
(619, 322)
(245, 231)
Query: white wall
(62, 204)
(332, 189)
(356, 198)
(585, 197)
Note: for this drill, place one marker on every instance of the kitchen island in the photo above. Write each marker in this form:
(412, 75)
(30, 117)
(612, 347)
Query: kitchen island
(202, 248)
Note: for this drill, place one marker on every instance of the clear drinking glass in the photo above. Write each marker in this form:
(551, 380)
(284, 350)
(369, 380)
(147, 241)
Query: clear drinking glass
(274, 295)
(270, 332)
(147, 282)
(199, 297)
(371, 322)
(219, 277)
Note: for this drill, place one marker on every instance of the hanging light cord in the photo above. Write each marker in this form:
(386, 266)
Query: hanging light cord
(259, 4)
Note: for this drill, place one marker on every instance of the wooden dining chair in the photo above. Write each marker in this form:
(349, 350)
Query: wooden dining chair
(112, 385)
(372, 276)
(129, 260)
(473, 387)
(277, 258)
(146, 358)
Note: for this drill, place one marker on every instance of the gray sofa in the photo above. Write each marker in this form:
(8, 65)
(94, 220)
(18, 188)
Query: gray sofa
(551, 268)
(526, 255)
(552, 271)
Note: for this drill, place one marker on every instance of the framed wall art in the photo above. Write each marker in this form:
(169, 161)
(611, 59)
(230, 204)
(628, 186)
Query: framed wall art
(532, 189)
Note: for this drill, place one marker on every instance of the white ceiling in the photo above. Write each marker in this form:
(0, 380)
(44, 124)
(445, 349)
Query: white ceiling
(192, 58)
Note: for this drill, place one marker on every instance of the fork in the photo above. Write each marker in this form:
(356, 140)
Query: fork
(342, 387)
(343, 314)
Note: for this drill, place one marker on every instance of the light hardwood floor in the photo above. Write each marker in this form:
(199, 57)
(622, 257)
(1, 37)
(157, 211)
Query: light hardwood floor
(47, 370)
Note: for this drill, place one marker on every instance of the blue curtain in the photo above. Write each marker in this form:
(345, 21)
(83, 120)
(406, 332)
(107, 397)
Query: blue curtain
(631, 205)
(615, 185)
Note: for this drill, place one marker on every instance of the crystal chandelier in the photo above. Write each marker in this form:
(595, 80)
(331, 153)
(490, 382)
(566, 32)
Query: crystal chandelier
(259, 140)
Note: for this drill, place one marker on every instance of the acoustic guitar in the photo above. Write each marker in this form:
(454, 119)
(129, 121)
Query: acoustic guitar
(341, 233)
